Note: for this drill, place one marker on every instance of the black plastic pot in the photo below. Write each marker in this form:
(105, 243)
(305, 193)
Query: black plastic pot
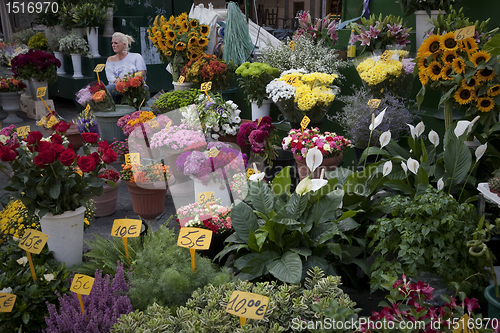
(284, 159)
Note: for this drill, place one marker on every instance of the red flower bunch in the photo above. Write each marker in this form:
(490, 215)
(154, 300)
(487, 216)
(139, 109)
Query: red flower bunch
(36, 64)
(206, 68)
(110, 174)
(259, 135)
(11, 85)
(133, 89)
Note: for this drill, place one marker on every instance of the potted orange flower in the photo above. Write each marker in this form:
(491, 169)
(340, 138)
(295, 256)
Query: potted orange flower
(134, 90)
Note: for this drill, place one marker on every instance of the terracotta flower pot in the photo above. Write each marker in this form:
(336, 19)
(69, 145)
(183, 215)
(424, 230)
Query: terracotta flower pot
(106, 203)
(329, 164)
(148, 200)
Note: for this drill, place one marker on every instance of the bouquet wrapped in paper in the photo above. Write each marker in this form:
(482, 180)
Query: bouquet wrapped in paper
(97, 96)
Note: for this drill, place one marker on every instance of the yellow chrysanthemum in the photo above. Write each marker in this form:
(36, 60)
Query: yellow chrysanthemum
(204, 30)
(449, 56)
(434, 71)
(468, 45)
(458, 65)
(448, 42)
(429, 46)
(463, 96)
(485, 74)
(477, 57)
(424, 79)
(485, 104)
(494, 91)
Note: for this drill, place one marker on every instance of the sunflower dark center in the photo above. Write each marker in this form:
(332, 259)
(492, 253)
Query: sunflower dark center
(448, 72)
(450, 57)
(450, 43)
(434, 46)
(471, 83)
(468, 45)
(486, 72)
(436, 70)
(485, 103)
(479, 59)
(495, 88)
(460, 64)
(465, 94)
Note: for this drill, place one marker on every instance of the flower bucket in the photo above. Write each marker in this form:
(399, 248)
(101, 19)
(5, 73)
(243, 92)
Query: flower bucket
(34, 85)
(184, 86)
(106, 121)
(148, 201)
(106, 202)
(493, 302)
(219, 189)
(263, 110)
(65, 233)
(422, 25)
(76, 59)
(10, 104)
(329, 164)
(92, 36)
(60, 57)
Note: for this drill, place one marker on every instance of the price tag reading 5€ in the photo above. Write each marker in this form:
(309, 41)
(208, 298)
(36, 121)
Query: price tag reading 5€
(82, 284)
(7, 302)
(195, 238)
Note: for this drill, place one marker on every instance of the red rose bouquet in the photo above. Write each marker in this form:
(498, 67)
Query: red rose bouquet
(134, 90)
(47, 174)
(206, 68)
(11, 85)
(260, 136)
(97, 96)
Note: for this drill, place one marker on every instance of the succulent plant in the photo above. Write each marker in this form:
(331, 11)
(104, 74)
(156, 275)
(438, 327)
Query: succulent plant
(494, 182)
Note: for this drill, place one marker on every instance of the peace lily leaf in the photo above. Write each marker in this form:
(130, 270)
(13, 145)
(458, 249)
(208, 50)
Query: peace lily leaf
(457, 160)
(282, 182)
(287, 269)
(243, 219)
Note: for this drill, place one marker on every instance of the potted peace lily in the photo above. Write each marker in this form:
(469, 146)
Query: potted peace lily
(75, 46)
(64, 182)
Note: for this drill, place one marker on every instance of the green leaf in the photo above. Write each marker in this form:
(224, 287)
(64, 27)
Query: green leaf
(325, 208)
(323, 232)
(420, 96)
(287, 269)
(348, 224)
(457, 159)
(315, 261)
(26, 318)
(243, 219)
(255, 264)
(296, 205)
(261, 196)
(493, 45)
(303, 251)
(55, 191)
(282, 182)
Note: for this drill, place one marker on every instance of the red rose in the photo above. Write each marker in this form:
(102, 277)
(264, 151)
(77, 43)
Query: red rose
(109, 156)
(61, 127)
(67, 157)
(7, 154)
(102, 146)
(43, 145)
(97, 157)
(33, 137)
(48, 155)
(56, 138)
(38, 160)
(59, 149)
(86, 163)
(90, 137)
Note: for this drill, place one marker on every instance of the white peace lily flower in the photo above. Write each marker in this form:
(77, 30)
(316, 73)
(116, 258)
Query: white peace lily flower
(305, 185)
(377, 121)
(385, 138)
(413, 165)
(462, 125)
(434, 138)
(405, 168)
(318, 183)
(314, 158)
(22, 261)
(440, 184)
(413, 132)
(48, 277)
(419, 129)
(7, 290)
(257, 176)
(480, 151)
(387, 168)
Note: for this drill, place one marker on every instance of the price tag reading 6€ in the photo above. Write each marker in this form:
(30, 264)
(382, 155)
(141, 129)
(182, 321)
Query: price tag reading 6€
(464, 33)
(7, 302)
(195, 238)
(247, 305)
(82, 284)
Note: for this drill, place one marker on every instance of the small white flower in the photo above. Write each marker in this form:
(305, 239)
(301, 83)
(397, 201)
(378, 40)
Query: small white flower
(215, 136)
(440, 184)
(419, 129)
(385, 138)
(3, 139)
(405, 168)
(314, 158)
(434, 138)
(378, 119)
(304, 186)
(287, 140)
(413, 165)
(48, 277)
(480, 151)
(7, 290)
(387, 168)
(22, 261)
(318, 183)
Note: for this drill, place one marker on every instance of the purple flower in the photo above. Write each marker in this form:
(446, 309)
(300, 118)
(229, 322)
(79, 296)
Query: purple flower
(394, 29)
(374, 32)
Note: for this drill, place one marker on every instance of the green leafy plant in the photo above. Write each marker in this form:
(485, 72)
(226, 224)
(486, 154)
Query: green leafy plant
(176, 99)
(289, 305)
(428, 233)
(23, 36)
(88, 15)
(254, 78)
(15, 278)
(38, 42)
(74, 44)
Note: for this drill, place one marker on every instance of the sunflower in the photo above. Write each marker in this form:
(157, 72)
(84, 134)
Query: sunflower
(494, 91)
(422, 64)
(171, 20)
(445, 72)
(184, 26)
(429, 46)
(193, 55)
(458, 65)
(169, 43)
(170, 34)
(463, 96)
(424, 79)
(434, 71)
(180, 46)
(485, 74)
(168, 53)
(448, 42)
(478, 57)
(194, 23)
(469, 45)
(182, 17)
(204, 30)
(473, 81)
(193, 41)
(449, 56)
(203, 42)
(485, 104)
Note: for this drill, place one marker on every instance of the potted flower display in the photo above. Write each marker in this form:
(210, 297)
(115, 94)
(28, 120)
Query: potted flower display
(38, 42)
(121, 148)
(10, 95)
(75, 46)
(64, 181)
(175, 99)
(37, 66)
(178, 40)
(324, 29)
(212, 173)
(330, 145)
(86, 123)
(91, 16)
(206, 68)
(134, 90)
(254, 79)
(106, 202)
(147, 185)
(298, 94)
(260, 137)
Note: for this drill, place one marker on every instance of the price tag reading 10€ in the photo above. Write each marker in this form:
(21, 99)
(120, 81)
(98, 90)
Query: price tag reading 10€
(195, 238)
(7, 302)
(82, 284)
(33, 241)
(247, 305)
(126, 228)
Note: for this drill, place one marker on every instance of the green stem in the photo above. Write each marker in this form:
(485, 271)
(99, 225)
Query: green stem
(367, 147)
(448, 113)
(466, 180)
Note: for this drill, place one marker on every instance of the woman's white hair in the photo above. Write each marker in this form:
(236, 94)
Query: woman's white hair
(124, 39)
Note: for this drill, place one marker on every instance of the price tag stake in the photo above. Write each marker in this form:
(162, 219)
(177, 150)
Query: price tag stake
(125, 228)
(247, 305)
(7, 302)
(81, 285)
(98, 68)
(33, 241)
(194, 239)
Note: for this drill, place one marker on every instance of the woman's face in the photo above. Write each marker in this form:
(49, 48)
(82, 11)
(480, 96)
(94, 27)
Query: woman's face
(117, 45)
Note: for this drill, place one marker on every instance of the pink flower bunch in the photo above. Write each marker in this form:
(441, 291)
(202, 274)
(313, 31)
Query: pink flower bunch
(254, 134)
(329, 144)
(176, 137)
(324, 28)
(8, 136)
(198, 216)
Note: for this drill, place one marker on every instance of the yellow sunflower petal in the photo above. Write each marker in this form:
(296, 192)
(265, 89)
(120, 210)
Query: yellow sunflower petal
(463, 96)
(477, 57)
(485, 104)
(429, 46)
(448, 42)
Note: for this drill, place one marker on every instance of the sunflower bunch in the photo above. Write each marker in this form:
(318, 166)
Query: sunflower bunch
(15, 219)
(467, 75)
(178, 40)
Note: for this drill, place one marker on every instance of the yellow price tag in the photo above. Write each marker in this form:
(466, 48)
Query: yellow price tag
(23, 131)
(126, 228)
(18, 49)
(82, 284)
(291, 45)
(99, 67)
(464, 325)
(292, 80)
(195, 238)
(33, 241)
(206, 198)
(181, 80)
(373, 103)
(247, 305)
(167, 126)
(206, 86)
(40, 92)
(305, 121)
(87, 109)
(213, 152)
(464, 33)
(386, 56)
(7, 302)
(250, 172)
(132, 158)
